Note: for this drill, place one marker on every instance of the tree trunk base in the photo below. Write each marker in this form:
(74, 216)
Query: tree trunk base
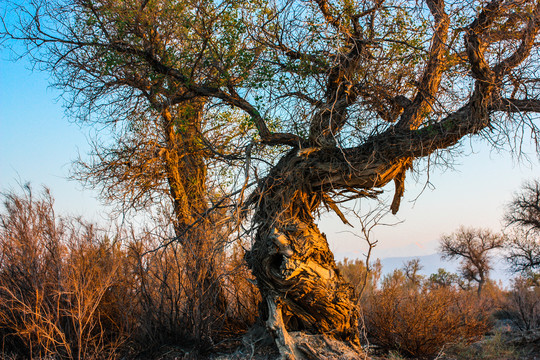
(299, 345)
(321, 347)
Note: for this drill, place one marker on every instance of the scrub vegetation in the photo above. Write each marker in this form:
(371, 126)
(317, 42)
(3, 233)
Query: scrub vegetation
(70, 289)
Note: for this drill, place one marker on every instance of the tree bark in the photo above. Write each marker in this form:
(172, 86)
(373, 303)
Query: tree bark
(187, 179)
(307, 303)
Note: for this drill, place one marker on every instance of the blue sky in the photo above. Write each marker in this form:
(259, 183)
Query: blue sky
(38, 143)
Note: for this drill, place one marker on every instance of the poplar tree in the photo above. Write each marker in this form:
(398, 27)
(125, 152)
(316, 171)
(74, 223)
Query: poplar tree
(347, 95)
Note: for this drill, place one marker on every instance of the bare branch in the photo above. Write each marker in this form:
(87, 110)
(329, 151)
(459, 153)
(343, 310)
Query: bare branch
(516, 105)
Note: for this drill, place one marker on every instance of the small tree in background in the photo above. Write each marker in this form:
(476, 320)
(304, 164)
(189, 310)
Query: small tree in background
(472, 246)
(411, 269)
(523, 214)
(443, 278)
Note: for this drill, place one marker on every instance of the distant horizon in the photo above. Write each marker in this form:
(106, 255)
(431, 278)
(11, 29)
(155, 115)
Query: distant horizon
(499, 272)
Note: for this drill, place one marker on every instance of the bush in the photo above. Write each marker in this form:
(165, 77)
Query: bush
(57, 279)
(70, 290)
(494, 347)
(358, 275)
(419, 320)
(522, 304)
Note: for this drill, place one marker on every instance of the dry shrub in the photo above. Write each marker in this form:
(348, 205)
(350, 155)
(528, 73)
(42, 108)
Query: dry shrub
(70, 290)
(174, 304)
(419, 320)
(169, 298)
(522, 304)
(494, 347)
(360, 276)
(55, 277)
(243, 295)
(160, 294)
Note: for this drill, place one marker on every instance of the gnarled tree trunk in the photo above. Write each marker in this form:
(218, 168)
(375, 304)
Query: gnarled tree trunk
(308, 304)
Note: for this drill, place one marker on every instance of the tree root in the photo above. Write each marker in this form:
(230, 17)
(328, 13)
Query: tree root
(299, 345)
(275, 324)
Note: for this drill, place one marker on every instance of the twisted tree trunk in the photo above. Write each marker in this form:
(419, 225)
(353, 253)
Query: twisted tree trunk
(303, 291)
(308, 304)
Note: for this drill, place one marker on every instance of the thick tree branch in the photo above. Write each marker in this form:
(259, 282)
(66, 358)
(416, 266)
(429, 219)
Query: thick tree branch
(475, 46)
(516, 105)
(414, 113)
(431, 77)
(340, 94)
(381, 158)
(231, 98)
(524, 49)
(326, 11)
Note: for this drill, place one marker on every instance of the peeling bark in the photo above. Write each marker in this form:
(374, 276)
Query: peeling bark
(296, 272)
(304, 291)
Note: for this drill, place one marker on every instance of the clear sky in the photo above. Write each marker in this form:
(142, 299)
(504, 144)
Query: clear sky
(37, 144)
